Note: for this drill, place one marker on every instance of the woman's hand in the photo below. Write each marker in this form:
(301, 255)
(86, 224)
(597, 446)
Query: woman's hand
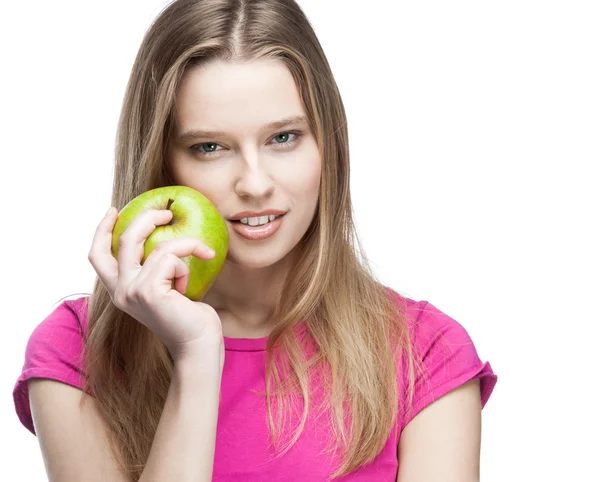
(145, 292)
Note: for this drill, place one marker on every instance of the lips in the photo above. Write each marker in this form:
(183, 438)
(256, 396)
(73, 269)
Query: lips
(253, 214)
(257, 233)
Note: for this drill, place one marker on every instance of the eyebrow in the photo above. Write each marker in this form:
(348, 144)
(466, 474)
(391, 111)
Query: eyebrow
(194, 134)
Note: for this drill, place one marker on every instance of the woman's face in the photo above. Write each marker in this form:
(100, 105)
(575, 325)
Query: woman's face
(243, 141)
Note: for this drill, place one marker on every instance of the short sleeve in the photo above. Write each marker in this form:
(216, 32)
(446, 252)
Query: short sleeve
(448, 355)
(53, 351)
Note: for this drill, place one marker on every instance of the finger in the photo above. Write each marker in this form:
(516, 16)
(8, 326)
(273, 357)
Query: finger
(163, 272)
(181, 281)
(100, 256)
(180, 247)
(131, 242)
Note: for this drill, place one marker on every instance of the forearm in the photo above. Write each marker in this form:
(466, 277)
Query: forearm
(184, 444)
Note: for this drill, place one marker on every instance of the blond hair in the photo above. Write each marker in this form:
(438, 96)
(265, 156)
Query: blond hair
(358, 327)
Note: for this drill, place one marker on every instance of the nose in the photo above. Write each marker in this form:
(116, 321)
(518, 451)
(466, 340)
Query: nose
(253, 180)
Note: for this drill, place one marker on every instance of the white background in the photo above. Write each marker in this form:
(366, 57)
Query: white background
(475, 149)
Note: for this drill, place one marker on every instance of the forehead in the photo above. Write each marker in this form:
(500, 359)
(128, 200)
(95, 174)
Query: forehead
(224, 95)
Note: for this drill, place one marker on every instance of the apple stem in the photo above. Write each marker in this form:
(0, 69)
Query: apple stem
(171, 201)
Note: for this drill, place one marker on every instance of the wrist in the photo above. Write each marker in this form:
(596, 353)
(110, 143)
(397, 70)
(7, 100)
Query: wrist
(195, 348)
(200, 356)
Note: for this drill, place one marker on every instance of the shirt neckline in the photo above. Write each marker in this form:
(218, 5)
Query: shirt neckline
(245, 344)
(256, 344)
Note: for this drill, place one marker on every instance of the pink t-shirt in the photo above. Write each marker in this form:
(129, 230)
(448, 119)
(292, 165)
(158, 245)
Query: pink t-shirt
(242, 448)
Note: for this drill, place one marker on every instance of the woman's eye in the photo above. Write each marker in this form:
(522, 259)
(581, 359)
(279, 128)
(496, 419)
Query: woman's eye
(280, 141)
(205, 148)
(283, 138)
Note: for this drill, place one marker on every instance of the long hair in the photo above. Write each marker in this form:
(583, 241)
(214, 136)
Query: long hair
(357, 326)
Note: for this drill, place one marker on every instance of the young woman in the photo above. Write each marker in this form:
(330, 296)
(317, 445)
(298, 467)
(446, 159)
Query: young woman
(297, 364)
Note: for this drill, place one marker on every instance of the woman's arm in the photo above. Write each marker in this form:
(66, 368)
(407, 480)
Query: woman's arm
(442, 442)
(74, 439)
(184, 444)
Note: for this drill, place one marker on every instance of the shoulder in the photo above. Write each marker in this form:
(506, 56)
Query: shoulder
(70, 316)
(430, 327)
(54, 350)
(425, 321)
(446, 352)
(61, 329)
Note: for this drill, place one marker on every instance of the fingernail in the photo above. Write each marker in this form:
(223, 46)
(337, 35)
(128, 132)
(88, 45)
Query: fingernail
(109, 211)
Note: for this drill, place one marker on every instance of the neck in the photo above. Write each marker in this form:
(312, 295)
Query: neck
(245, 298)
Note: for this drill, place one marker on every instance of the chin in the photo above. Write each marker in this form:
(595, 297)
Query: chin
(256, 258)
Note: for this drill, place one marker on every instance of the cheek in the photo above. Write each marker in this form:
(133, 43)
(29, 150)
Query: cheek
(303, 176)
(180, 169)
(198, 178)
(312, 180)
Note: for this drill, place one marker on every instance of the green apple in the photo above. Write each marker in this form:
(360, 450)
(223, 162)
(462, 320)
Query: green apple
(193, 216)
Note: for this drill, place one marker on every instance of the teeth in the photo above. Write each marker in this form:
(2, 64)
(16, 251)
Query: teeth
(258, 221)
